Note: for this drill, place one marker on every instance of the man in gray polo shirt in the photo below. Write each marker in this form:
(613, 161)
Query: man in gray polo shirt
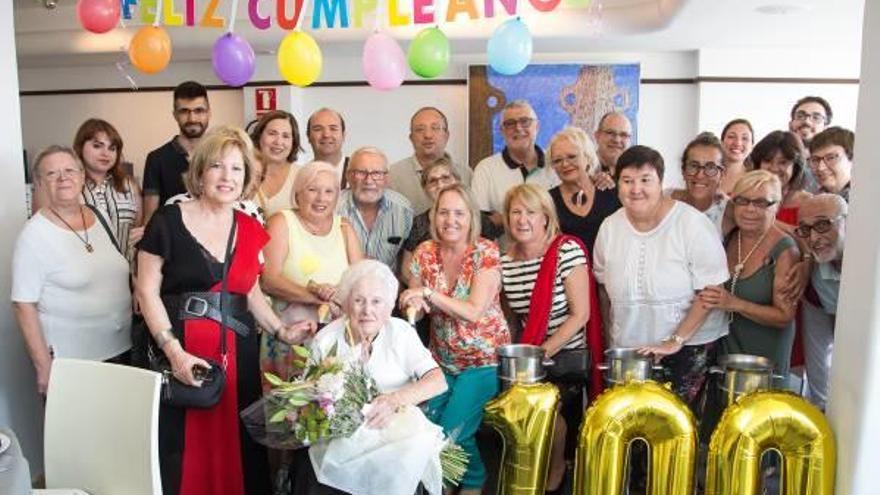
(428, 133)
(822, 225)
(381, 218)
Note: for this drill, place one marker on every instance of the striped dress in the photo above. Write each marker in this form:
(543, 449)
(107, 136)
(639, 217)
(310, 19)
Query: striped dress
(518, 279)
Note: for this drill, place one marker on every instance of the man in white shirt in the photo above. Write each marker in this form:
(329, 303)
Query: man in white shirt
(326, 133)
(613, 136)
(428, 133)
(822, 224)
(520, 161)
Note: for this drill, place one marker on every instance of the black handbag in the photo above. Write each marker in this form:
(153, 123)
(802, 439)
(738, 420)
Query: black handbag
(178, 394)
(570, 366)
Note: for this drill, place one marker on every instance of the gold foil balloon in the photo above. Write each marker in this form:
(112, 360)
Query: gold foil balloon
(524, 416)
(622, 414)
(771, 420)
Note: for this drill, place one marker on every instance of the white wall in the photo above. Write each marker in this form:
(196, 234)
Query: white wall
(19, 406)
(142, 118)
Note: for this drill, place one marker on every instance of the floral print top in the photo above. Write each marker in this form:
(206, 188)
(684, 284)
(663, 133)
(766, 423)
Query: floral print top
(456, 344)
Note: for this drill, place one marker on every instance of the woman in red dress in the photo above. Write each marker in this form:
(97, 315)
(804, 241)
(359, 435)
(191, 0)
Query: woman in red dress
(182, 254)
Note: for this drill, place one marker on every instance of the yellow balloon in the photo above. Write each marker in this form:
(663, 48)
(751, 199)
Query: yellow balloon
(771, 420)
(524, 416)
(299, 58)
(150, 49)
(621, 414)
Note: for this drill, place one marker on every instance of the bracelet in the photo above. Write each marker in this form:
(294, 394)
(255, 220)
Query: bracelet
(427, 292)
(807, 257)
(678, 339)
(163, 338)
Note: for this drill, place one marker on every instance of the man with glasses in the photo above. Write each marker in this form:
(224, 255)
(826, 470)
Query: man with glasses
(831, 154)
(822, 226)
(381, 218)
(165, 166)
(809, 116)
(613, 136)
(428, 133)
(520, 161)
(326, 133)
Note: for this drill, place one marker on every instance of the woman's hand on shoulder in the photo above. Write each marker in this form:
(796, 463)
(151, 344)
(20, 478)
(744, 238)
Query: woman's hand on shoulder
(413, 298)
(603, 181)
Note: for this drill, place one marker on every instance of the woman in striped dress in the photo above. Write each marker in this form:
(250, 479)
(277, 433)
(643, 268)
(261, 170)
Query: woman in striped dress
(549, 301)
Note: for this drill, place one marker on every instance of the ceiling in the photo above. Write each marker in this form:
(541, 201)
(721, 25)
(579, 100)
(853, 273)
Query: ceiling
(54, 37)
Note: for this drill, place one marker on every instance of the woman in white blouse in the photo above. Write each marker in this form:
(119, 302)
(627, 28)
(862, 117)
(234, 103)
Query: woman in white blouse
(69, 283)
(652, 257)
(403, 369)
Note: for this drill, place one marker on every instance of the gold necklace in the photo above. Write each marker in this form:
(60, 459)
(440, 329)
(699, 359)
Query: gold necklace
(85, 240)
(740, 262)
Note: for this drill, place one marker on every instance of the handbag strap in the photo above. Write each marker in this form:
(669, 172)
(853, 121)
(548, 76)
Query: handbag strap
(224, 285)
(106, 226)
(541, 301)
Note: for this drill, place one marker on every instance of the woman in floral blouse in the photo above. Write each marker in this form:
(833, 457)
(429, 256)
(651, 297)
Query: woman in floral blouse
(456, 279)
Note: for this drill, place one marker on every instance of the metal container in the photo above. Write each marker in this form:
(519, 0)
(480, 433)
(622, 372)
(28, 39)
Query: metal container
(743, 374)
(520, 363)
(625, 364)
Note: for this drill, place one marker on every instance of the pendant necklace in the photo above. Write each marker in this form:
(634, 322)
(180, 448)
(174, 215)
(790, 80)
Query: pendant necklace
(84, 240)
(741, 262)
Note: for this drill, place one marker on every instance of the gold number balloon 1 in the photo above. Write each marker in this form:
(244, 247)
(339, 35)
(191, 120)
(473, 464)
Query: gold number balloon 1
(771, 420)
(524, 416)
(622, 414)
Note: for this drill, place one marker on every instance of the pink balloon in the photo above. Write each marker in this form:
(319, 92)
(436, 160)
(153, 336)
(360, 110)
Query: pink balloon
(98, 16)
(384, 62)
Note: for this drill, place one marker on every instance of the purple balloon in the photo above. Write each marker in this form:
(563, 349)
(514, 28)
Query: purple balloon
(384, 62)
(234, 60)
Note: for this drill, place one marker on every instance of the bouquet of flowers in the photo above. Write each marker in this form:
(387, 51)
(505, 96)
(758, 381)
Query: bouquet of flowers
(325, 402)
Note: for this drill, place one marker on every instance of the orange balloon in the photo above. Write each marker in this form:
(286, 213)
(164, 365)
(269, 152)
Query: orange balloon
(150, 49)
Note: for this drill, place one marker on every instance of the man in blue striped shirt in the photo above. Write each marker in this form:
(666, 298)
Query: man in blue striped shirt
(381, 218)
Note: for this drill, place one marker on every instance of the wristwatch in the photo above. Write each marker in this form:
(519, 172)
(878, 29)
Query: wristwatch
(427, 292)
(678, 339)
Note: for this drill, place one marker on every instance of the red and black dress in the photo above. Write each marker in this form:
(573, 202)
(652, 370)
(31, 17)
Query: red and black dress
(208, 451)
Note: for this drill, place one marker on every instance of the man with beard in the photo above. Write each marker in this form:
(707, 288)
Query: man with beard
(809, 116)
(381, 218)
(613, 135)
(520, 161)
(822, 226)
(165, 166)
(428, 133)
(326, 132)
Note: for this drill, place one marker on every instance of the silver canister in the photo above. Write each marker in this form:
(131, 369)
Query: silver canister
(743, 374)
(520, 363)
(624, 364)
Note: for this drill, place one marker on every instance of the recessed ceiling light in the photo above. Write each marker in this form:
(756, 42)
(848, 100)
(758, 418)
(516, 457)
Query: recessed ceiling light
(780, 9)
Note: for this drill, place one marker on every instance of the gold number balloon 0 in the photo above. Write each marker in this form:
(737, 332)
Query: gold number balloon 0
(524, 416)
(644, 410)
(771, 420)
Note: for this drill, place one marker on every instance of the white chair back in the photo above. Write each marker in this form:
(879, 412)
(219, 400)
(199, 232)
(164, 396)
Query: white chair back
(102, 428)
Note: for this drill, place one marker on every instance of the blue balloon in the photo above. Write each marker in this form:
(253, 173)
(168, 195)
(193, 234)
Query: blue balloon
(510, 47)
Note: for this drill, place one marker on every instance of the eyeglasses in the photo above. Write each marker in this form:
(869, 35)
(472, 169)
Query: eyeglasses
(615, 134)
(510, 124)
(816, 117)
(709, 169)
(373, 174)
(760, 203)
(830, 159)
(441, 179)
(53, 175)
(820, 226)
(558, 161)
(198, 111)
(436, 129)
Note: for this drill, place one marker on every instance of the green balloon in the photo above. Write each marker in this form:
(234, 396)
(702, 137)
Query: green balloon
(428, 54)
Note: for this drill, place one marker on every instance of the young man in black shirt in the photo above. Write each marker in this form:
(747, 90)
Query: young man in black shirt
(165, 166)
